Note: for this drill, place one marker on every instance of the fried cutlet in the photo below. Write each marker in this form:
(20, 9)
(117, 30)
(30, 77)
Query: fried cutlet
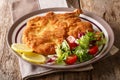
(43, 33)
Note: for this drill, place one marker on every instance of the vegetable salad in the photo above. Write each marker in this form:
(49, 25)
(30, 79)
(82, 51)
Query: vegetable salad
(77, 50)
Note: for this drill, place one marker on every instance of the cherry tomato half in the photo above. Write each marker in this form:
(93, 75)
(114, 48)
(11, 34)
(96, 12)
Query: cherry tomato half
(93, 50)
(71, 42)
(71, 59)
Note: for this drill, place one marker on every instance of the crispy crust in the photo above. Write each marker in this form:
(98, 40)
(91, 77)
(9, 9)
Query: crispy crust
(43, 33)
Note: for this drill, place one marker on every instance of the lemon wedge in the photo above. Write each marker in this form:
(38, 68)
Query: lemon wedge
(21, 48)
(34, 58)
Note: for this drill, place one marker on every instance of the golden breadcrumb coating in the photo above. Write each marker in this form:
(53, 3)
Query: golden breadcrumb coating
(43, 33)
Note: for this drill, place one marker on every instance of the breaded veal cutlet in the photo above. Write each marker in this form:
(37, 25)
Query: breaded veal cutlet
(43, 33)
